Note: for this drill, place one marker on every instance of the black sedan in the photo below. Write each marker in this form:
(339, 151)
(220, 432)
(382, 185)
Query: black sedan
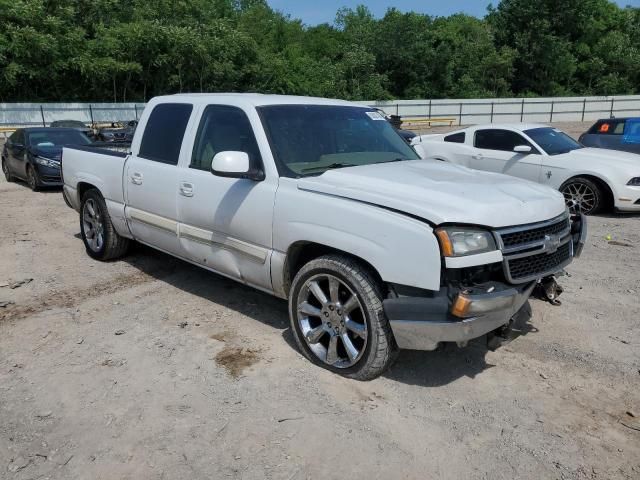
(75, 124)
(614, 134)
(34, 154)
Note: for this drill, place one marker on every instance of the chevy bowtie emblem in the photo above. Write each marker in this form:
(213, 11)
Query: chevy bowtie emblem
(551, 243)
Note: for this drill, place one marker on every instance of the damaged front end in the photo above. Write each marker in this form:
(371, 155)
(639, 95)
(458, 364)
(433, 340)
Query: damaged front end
(478, 300)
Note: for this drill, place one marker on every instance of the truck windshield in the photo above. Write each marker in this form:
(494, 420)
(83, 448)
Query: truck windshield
(311, 139)
(552, 140)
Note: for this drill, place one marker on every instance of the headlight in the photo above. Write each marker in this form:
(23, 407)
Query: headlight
(634, 182)
(47, 162)
(461, 241)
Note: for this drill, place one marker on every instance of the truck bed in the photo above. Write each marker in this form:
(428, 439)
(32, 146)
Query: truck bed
(97, 166)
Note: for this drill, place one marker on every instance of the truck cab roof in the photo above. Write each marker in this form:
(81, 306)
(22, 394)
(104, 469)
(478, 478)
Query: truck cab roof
(255, 99)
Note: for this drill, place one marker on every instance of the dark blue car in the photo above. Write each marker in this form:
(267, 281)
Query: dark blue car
(614, 134)
(33, 154)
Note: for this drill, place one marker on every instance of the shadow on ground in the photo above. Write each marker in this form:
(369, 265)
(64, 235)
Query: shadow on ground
(450, 362)
(428, 369)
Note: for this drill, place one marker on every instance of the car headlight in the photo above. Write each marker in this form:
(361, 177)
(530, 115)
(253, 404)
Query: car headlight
(634, 182)
(461, 241)
(47, 162)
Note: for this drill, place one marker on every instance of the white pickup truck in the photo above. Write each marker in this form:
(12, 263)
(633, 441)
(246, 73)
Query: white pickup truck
(322, 203)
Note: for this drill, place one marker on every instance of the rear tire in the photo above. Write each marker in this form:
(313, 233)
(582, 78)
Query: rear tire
(337, 318)
(5, 169)
(583, 195)
(100, 238)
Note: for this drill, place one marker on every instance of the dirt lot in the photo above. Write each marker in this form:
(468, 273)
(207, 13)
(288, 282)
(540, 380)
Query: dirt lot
(149, 368)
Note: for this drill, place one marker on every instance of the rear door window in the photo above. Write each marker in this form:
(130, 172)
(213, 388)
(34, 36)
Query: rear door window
(164, 132)
(455, 138)
(608, 127)
(502, 140)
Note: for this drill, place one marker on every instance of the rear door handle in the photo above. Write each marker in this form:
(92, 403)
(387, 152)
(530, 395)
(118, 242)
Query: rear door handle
(477, 156)
(186, 189)
(136, 178)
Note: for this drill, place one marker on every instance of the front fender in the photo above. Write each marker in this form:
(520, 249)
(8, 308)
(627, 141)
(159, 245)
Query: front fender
(401, 248)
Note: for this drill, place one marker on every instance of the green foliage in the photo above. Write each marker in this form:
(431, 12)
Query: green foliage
(126, 50)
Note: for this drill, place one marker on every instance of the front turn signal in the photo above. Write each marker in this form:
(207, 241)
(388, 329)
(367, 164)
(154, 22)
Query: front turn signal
(461, 306)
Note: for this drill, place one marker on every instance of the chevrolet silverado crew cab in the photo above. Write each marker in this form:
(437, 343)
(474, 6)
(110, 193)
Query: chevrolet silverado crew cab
(322, 203)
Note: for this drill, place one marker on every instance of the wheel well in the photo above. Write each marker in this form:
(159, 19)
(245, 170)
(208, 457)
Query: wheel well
(604, 186)
(83, 187)
(301, 253)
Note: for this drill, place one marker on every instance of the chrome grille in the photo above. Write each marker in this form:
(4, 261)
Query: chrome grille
(535, 251)
(514, 239)
(539, 265)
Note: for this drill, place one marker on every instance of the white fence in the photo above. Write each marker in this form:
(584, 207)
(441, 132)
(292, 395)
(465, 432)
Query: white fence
(462, 112)
(560, 109)
(36, 114)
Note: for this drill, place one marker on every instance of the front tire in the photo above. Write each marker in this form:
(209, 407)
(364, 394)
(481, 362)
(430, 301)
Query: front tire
(32, 179)
(337, 318)
(100, 238)
(583, 195)
(5, 169)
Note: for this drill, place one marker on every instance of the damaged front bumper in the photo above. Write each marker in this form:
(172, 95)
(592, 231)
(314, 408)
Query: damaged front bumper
(423, 322)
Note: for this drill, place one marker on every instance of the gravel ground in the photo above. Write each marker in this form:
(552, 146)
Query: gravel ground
(150, 368)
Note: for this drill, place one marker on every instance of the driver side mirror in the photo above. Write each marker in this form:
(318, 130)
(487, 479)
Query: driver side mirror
(233, 164)
(522, 149)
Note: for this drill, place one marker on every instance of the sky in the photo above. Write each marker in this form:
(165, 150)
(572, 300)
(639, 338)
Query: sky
(313, 12)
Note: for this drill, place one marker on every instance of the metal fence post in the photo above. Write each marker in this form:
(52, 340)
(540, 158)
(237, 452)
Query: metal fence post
(522, 111)
(398, 109)
(584, 107)
(460, 118)
(135, 108)
(491, 112)
(91, 113)
(611, 112)
(551, 118)
(430, 108)
(44, 124)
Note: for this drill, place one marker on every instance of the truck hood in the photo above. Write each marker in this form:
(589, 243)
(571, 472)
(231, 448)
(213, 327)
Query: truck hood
(597, 156)
(442, 193)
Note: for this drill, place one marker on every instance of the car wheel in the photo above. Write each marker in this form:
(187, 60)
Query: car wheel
(32, 179)
(583, 195)
(7, 173)
(337, 318)
(100, 238)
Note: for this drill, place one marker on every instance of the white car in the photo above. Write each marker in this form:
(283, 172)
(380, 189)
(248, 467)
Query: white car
(590, 179)
(322, 203)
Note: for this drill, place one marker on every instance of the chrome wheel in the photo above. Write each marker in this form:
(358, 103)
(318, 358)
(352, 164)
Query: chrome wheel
(580, 197)
(92, 225)
(332, 321)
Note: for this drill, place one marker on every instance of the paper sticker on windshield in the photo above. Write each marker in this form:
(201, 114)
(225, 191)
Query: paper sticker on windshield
(375, 116)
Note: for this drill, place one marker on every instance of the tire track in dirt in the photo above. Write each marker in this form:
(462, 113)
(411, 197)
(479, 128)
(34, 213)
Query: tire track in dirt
(69, 299)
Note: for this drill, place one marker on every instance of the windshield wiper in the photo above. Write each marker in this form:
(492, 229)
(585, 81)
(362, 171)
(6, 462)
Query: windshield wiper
(395, 160)
(331, 166)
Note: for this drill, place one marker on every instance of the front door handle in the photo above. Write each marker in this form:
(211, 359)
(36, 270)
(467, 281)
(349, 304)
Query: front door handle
(477, 156)
(136, 178)
(186, 189)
